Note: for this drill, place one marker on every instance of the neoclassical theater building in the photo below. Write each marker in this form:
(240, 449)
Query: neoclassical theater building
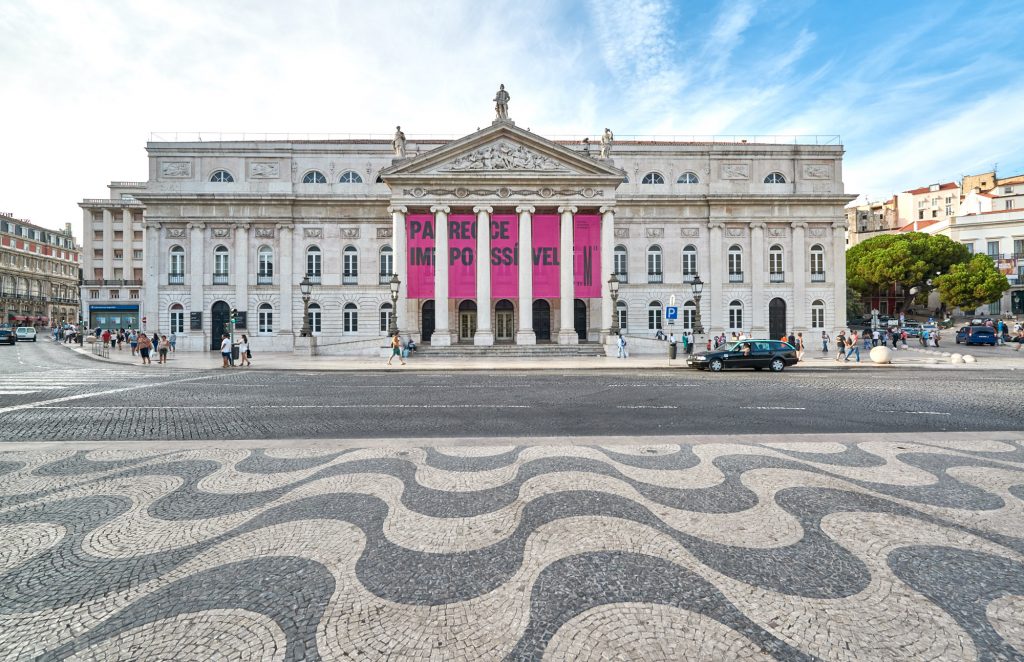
(501, 236)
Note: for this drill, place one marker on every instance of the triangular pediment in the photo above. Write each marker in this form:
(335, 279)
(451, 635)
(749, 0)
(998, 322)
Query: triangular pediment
(503, 150)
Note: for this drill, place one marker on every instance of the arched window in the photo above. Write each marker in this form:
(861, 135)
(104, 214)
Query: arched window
(775, 178)
(176, 266)
(689, 263)
(385, 317)
(735, 264)
(265, 317)
(818, 314)
(221, 265)
(314, 177)
(265, 266)
(688, 178)
(350, 266)
(314, 318)
(689, 315)
(736, 315)
(221, 177)
(351, 318)
(177, 318)
(623, 312)
(387, 264)
(350, 177)
(654, 264)
(653, 178)
(776, 270)
(817, 264)
(620, 264)
(654, 315)
(314, 264)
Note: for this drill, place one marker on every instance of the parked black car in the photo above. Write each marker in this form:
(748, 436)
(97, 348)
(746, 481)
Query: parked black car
(7, 337)
(757, 354)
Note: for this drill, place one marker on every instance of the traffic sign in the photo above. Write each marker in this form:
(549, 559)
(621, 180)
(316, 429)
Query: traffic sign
(672, 313)
(143, 320)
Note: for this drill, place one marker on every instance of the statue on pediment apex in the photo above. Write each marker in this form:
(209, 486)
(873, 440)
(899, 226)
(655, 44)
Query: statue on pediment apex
(501, 99)
(398, 144)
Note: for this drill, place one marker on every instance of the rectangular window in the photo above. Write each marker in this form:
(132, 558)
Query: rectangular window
(620, 266)
(133, 294)
(817, 317)
(654, 318)
(1018, 248)
(97, 235)
(118, 235)
(970, 247)
(177, 321)
(137, 235)
(949, 210)
(735, 318)
(115, 294)
(118, 255)
(992, 248)
(97, 253)
(136, 254)
(351, 320)
(949, 200)
(689, 264)
(94, 294)
(1007, 189)
(266, 321)
(1009, 204)
(689, 315)
(385, 319)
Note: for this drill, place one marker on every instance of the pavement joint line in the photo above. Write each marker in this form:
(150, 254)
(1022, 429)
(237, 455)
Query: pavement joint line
(787, 408)
(647, 407)
(263, 406)
(82, 396)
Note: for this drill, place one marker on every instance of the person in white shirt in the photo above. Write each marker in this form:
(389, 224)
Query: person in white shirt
(225, 351)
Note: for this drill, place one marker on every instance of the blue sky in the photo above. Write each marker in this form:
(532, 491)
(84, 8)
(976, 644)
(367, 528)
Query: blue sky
(920, 92)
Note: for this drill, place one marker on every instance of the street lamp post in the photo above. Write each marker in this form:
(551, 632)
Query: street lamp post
(305, 287)
(395, 283)
(697, 287)
(613, 290)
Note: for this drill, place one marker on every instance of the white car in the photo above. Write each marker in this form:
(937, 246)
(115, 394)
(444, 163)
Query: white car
(24, 333)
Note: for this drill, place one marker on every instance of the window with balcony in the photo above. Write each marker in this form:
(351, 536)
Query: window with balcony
(654, 273)
(387, 264)
(620, 264)
(817, 264)
(265, 266)
(221, 265)
(136, 254)
(133, 294)
(176, 266)
(350, 266)
(118, 255)
(776, 270)
(314, 264)
(735, 263)
(1018, 248)
(689, 263)
(992, 249)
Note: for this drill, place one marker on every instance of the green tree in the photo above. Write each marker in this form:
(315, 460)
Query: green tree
(911, 260)
(972, 284)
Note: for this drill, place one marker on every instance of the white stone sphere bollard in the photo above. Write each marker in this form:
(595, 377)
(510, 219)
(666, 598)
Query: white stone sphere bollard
(881, 354)
(956, 358)
(969, 359)
(946, 354)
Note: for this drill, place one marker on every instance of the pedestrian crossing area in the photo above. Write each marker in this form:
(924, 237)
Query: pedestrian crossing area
(48, 380)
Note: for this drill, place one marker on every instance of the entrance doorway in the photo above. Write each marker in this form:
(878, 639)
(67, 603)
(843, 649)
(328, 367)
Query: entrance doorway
(776, 318)
(220, 321)
(579, 318)
(427, 321)
(467, 320)
(504, 321)
(542, 319)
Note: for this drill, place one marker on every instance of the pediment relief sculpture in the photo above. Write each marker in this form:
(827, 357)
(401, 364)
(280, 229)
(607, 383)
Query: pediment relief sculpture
(503, 156)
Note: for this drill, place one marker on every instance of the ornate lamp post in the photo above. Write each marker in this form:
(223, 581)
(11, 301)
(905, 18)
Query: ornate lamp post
(395, 283)
(697, 286)
(613, 290)
(305, 287)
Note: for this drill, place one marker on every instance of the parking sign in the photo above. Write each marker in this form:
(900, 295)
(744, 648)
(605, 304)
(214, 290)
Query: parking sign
(672, 313)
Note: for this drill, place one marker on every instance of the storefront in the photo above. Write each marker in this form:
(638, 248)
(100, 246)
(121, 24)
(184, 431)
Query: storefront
(124, 316)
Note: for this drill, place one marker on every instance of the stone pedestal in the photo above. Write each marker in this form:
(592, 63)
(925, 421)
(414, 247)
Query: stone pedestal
(305, 346)
(527, 337)
(441, 339)
(568, 337)
(483, 338)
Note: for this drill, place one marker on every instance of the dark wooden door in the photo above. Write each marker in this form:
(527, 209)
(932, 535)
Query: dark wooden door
(220, 319)
(579, 318)
(427, 323)
(542, 320)
(776, 318)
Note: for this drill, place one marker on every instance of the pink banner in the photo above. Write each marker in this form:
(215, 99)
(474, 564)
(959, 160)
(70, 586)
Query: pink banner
(586, 259)
(545, 256)
(419, 272)
(504, 256)
(462, 256)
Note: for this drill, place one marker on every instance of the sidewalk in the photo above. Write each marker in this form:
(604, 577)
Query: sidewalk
(912, 358)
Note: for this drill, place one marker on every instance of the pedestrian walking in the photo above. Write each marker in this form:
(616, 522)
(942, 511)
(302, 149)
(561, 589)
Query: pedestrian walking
(105, 336)
(145, 345)
(225, 350)
(621, 343)
(163, 347)
(133, 341)
(874, 338)
(936, 336)
(824, 342)
(800, 346)
(854, 348)
(396, 349)
(841, 346)
(243, 352)
(173, 339)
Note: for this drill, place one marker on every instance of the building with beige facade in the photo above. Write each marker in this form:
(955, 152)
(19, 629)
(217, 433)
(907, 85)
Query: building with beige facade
(39, 271)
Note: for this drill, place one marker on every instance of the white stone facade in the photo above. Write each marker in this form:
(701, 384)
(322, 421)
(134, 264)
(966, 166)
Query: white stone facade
(288, 198)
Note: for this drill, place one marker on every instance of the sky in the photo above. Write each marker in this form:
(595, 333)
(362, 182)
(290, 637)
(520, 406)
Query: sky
(919, 92)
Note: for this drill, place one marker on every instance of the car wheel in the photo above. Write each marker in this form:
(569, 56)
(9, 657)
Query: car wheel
(716, 365)
(777, 365)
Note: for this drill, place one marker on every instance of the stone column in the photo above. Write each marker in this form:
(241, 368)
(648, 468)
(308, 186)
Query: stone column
(758, 323)
(713, 317)
(607, 266)
(799, 278)
(838, 274)
(399, 252)
(127, 252)
(151, 280)
(484, 333)
(242, 272)
(108, 244)
(86, 259)
(567, 332)
(287, 283)
(195, 278)
(442, 336)
(524, 332)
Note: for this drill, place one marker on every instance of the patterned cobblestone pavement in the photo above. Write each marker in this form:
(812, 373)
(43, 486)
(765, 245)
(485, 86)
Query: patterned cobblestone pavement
(878, 550)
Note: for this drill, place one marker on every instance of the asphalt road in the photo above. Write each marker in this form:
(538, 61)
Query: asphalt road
(50, 393)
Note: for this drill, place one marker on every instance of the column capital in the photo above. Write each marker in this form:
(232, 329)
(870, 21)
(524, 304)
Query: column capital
(244, 226)
(716, 225)
(197, 226)
(152, 225)
(440, 209)
(569, 209)
(284, 227)
(798, 225)
(605, 209)
(758, 226)
(526, 209)
(398, 209)
(839, 225)
(483, 208)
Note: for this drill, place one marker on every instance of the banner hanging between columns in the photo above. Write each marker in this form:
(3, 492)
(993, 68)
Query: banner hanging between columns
(420, 244)
(586, 259)
(545, 256)
(504, 256)
(462, 256)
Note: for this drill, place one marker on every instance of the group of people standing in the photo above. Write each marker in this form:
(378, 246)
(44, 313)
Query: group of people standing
(141, 344)
(244, 353)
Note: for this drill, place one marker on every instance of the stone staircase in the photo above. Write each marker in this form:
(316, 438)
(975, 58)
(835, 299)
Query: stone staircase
(541, 351)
